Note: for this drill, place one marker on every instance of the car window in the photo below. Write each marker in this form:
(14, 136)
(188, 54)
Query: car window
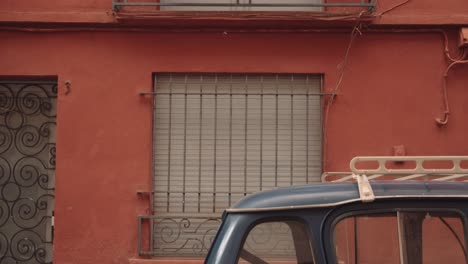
(405, 237)
(277, 242)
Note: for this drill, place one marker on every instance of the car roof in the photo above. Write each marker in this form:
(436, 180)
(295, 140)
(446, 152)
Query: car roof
(335, 194)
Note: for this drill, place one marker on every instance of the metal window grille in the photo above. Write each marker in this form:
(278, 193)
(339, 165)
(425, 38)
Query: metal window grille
(219, 137)
(242, 5)
(27, 171)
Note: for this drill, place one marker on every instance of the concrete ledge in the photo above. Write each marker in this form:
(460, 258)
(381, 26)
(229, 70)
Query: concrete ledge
(165, 261)
(169, 19)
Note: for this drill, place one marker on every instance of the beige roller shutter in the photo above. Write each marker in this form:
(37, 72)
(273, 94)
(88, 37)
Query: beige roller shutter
(218, 137)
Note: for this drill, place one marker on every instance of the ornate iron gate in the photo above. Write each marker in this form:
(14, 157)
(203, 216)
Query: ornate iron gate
(27, 171)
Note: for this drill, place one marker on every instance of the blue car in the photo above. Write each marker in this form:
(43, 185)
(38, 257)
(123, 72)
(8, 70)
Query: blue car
(361, 221)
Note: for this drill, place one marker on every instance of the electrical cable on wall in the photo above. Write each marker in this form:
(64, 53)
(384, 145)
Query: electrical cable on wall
(394, 7)
(454, 61)
(342, 68)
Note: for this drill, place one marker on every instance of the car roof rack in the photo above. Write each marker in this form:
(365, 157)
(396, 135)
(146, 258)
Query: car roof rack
(400, 168)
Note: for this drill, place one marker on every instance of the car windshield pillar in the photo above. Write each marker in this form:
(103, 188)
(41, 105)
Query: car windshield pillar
(228, 240)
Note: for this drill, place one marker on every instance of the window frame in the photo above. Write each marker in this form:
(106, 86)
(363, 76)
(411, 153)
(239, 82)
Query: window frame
(236, 225)
(278, 218)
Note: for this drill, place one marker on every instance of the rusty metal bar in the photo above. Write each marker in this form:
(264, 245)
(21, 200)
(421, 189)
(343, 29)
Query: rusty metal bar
(276, 133)
(307, 131)
(185, 148)
(230, 142)
(200, 143)
(291, 168)
(169, 150)
(261, 134)
(246, 115)
(215, 142)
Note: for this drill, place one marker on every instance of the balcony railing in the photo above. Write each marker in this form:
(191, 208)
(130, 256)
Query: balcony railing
(244, 5)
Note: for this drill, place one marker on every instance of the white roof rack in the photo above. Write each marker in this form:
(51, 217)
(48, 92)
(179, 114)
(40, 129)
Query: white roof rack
(400, 168)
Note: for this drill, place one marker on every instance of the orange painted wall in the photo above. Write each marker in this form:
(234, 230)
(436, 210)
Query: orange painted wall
(390, 95)
(414, 12)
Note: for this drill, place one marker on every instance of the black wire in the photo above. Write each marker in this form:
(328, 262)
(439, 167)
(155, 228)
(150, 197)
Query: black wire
(454, 233)
(355, 240)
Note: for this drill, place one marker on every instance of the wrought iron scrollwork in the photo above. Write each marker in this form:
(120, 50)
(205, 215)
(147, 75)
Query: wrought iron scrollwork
(270, 239)
(190, 236)
(27, 169)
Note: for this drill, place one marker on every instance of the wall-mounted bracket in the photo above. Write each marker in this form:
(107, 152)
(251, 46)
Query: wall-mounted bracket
(463, 42)
(143, 193)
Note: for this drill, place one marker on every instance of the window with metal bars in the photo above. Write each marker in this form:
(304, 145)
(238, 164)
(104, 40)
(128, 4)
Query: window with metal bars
(219, 137)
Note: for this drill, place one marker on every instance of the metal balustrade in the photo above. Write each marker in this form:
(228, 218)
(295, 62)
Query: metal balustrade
(243, 5)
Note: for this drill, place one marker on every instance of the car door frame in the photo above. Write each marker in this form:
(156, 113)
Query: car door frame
(389, 206)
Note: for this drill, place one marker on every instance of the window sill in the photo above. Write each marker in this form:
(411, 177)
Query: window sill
(165, 261)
